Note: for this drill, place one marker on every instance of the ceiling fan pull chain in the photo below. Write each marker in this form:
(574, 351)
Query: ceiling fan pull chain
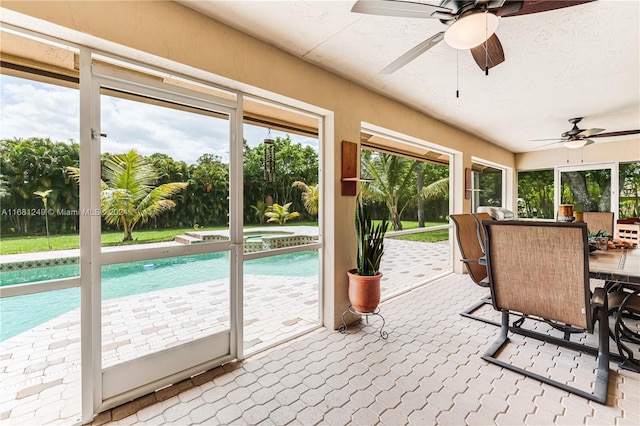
(457, 74)
(486, 46)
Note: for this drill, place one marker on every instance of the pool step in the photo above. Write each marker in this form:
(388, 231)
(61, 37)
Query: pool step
(187, 239)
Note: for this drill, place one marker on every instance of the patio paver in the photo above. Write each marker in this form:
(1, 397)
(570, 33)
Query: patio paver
(40, 369)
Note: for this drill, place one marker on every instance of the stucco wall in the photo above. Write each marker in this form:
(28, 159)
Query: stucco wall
(170, 30)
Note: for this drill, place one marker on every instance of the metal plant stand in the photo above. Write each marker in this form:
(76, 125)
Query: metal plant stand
(343, 327)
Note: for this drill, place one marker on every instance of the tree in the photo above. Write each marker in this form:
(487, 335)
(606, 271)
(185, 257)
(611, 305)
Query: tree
(437, 189)
(419, 185)
(280, 214)
(128, 195)
(44, 195)
(629, 184)
(434, 197)
(38, 164)
(294, 162)
(392, 183)
(209, 179)
(490, 183)
(3, 186)
(535, 194)
(588, 190)
(182, 215)
(260, 210)
(310, 196)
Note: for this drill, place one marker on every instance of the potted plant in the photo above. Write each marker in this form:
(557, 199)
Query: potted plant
(364, 281)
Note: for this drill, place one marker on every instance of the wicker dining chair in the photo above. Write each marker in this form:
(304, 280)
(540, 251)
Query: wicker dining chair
(470, 237)
(541, 270)
(599, 221)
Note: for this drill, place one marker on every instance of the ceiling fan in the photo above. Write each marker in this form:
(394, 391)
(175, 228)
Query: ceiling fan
(472, 24)
(577, 138)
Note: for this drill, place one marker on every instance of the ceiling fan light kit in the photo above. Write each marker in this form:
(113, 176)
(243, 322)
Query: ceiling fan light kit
(576, 144)
(471, 30)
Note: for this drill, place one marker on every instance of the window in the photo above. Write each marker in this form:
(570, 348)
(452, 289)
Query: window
(40, 301)
(488, 186)
(535, 194)
(629, 200)
(587, 188)
(410, 184)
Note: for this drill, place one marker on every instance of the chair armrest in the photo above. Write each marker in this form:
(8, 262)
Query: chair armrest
(481, 261)
(599, 298)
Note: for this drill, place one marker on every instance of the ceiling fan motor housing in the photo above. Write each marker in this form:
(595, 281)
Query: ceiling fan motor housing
(458, 6)
(575, 130)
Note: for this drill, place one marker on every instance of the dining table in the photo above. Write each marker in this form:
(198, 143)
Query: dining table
(621, 267)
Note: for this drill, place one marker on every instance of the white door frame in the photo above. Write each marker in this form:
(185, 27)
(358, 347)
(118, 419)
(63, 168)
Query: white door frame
(122, 382)
(615, 190)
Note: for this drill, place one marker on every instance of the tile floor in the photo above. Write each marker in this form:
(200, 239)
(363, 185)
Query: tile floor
(40, 368)
(428, 371)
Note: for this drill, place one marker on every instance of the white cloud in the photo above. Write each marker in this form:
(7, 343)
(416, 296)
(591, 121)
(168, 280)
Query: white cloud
(34, 109)
(148, 129)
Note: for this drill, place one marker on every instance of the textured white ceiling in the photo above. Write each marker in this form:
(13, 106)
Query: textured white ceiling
(581, 61)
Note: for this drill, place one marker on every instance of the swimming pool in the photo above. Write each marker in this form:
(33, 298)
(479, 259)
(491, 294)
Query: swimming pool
(21, 313)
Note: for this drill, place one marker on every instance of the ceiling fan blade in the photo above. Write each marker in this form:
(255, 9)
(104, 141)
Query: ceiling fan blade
(621, 133)
(590, 132)
(404, 9)
(509, 8)
(413, 53)
(549, 144)
(589, 142)
(537, 6)
(493, 55)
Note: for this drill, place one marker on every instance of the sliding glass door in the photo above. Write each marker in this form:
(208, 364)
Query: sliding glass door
(166, 295)
(592, 188)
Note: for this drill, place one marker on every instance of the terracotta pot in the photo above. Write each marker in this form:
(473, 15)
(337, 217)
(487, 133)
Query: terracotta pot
(364, 291)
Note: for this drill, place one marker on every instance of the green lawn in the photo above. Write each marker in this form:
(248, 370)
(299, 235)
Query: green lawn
(429, 236)
(28, 244)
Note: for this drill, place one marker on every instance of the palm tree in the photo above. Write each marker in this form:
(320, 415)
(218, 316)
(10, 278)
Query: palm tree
(3, 186)
(392, 183)
(128, 194)
(437, 189)
(260, 209)
(310, 196)
(280, 214)
(44, 195)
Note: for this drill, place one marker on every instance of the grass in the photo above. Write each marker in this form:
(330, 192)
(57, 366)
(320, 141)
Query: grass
(427, 236)
(36, 243)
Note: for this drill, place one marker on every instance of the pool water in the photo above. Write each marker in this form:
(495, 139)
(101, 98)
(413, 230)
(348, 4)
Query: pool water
(248, 236)
(21, 313)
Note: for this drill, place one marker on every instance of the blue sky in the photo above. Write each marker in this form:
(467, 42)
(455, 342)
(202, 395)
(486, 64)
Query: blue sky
(33, 109)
